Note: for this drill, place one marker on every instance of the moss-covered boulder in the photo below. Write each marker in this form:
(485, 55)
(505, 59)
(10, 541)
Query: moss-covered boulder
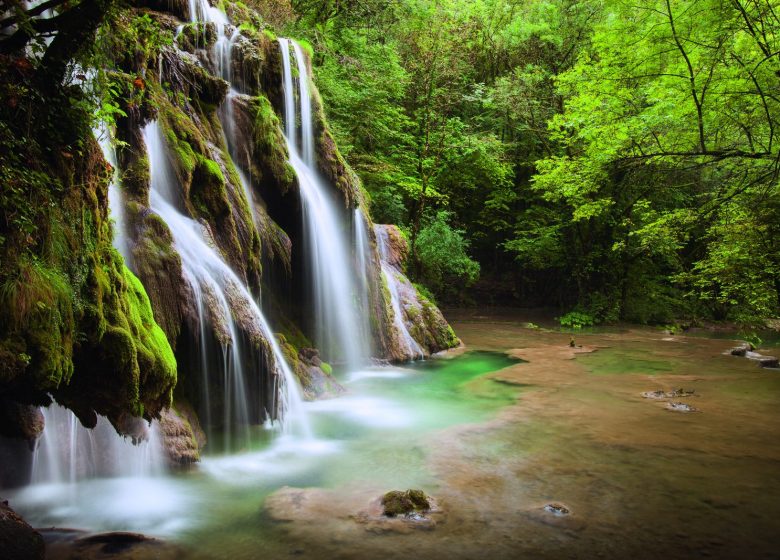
(396, 503)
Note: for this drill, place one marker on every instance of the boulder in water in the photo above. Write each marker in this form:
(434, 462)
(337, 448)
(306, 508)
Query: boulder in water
(557, 509)
(18, 541)
(406, 503)
(674, 393)
(768, 362)
(680, 407)
(116, 545)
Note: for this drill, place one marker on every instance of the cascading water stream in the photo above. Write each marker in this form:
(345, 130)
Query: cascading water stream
(408, 344)
(218, 289)
(67, 452)
(222, 54)
(337, 325)
(364, 260)
(116, 205)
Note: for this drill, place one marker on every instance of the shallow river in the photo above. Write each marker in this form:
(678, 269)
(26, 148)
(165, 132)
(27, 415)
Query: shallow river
(518, 421)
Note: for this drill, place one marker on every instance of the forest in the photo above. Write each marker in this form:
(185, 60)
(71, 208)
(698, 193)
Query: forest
(615, 159)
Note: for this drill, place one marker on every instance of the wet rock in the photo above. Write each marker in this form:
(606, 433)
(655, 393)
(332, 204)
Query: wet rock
(556, 509)
(182, 441)
(137, 429)
(422, 319)
(18, 541)
(310, 356)
(409, 503)
(768, 362)
(680, 407)
(763, 361)
(116, 545)
(739, 351)
(196, 36)
(674, 393)
(20, 421)
(179, 8)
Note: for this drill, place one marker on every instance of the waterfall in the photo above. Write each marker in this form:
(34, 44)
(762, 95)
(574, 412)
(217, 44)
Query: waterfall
(221, 294)
(68, 452)
(337, 326)
(364, 259)
(116, 205)
(407, 343)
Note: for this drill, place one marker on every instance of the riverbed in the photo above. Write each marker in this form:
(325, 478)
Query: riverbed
(516, 421)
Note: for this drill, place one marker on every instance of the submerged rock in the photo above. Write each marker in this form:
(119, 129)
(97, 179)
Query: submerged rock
(411, 502)
(680, 407)
(118, 545)
(18, 541)
(556, 509)
(674, 393)
(768, 362)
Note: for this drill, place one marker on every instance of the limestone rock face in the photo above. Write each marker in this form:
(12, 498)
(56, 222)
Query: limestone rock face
(18, 541)
(315, 375)
(397, 247)
(183, 438)
(422, 320)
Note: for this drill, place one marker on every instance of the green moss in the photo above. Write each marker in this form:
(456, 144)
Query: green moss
(396, 502)
(208, 193)
(327, 368)
(270, 35)
(147, 332)
(36, 303)
(307, 48)
(270, 146)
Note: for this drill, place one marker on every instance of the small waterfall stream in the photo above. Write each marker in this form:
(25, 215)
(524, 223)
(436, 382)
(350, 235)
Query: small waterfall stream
(364, 258)
(116, 203)
(68, 452)
(337, 325)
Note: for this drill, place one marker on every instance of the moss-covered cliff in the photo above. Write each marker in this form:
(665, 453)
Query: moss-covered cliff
(103, 336)
(76, 324)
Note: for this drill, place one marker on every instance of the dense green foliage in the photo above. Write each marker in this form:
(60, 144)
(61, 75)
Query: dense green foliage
(615, 159)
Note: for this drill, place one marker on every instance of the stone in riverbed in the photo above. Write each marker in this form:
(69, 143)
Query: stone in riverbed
(118, 545)
(406, 503)
(674, 393)
(768, 362)
(18, 540)
(741, 350)
(557, 509)
(680, 407)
